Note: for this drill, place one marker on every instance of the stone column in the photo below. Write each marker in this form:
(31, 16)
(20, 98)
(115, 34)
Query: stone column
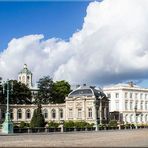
(100, 110)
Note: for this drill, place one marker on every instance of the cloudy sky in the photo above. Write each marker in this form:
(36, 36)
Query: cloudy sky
(94, 42)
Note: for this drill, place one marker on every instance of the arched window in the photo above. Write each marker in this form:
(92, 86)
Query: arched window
(89, 112)
(11, 113)
(61, 113)
(53, 113)
(126, 116)
(45, 113)
(146, 118)
(28, 114)
(141, 118)
(19, 114)
(131, 118)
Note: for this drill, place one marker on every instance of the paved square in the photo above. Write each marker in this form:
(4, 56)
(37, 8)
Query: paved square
(124, 138)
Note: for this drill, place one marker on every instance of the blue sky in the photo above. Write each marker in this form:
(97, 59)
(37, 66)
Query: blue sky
(110, 32)
(53, 19)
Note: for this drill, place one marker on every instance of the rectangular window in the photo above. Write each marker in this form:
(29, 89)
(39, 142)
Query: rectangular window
(131, 95)
(131, 105)
(146, 105)
(145, 96)
(136, 104)
(70, 113)
(79, 113)
(117, 105)
(90, 113)
(126, 95)
(136, 95)
(141, 96)
(141, 105)
(117, 95)
(126, 105)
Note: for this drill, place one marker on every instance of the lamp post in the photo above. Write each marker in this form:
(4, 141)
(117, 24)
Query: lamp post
(119, 121)
(96, 113)
(135, 116)
(7, 125)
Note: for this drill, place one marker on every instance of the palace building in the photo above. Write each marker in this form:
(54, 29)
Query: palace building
(83, 103)
(128, 103)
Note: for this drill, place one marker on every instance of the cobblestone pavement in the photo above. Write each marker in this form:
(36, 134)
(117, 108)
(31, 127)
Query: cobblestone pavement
(123, 138)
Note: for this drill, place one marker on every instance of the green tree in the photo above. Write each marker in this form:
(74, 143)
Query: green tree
(1, 92)
(113, 123)
(53, 124)
(69, 124)
(45, 85)
(59, 91)
(21, 93)
(38, 118)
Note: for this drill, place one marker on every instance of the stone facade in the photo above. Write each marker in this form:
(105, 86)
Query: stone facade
(84, 103)
(128, 103)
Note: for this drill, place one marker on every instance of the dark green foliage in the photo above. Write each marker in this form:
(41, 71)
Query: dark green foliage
(38, 118)
(127, 125)
(90, 125)
(53, 124)
(59, 91)
(77, 124)
(51, 92)
(1, 92)
(83, 124)
(15, 125)
(21, 93)
(113, 123)
(45, 85)
(24, 124)
(80, 124)
(69, 124)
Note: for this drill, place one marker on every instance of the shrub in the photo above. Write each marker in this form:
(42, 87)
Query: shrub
(53, 124)
(15, 125)
(90, 125)
(69, 124)
(113, 123)
(38, 118)
(127, 125)
(23, 124)
(80, 124)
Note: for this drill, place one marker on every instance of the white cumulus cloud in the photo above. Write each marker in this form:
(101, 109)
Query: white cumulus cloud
(111, 47)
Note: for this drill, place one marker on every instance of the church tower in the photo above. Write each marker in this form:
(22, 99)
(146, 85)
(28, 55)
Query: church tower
(25, 76)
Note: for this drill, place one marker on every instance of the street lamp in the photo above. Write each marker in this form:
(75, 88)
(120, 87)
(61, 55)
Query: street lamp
(96, 113)
(135, 116)
(7, 125)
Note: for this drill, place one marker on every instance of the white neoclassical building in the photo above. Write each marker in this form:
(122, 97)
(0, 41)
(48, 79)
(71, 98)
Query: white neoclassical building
(84, 103)
(128, 102)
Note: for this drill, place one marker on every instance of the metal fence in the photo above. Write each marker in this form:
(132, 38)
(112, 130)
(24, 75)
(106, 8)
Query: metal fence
(47, 130)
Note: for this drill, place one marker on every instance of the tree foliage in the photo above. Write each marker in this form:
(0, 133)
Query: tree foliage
(53, 124)
(45, 85)
(59, 91)
(113, 123)
(21, 94)
(69, 124)
(51, 92)
(1, 91)
(38, 118)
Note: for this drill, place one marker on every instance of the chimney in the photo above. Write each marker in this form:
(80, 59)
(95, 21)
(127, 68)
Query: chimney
(84, 84)
(131, 84)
